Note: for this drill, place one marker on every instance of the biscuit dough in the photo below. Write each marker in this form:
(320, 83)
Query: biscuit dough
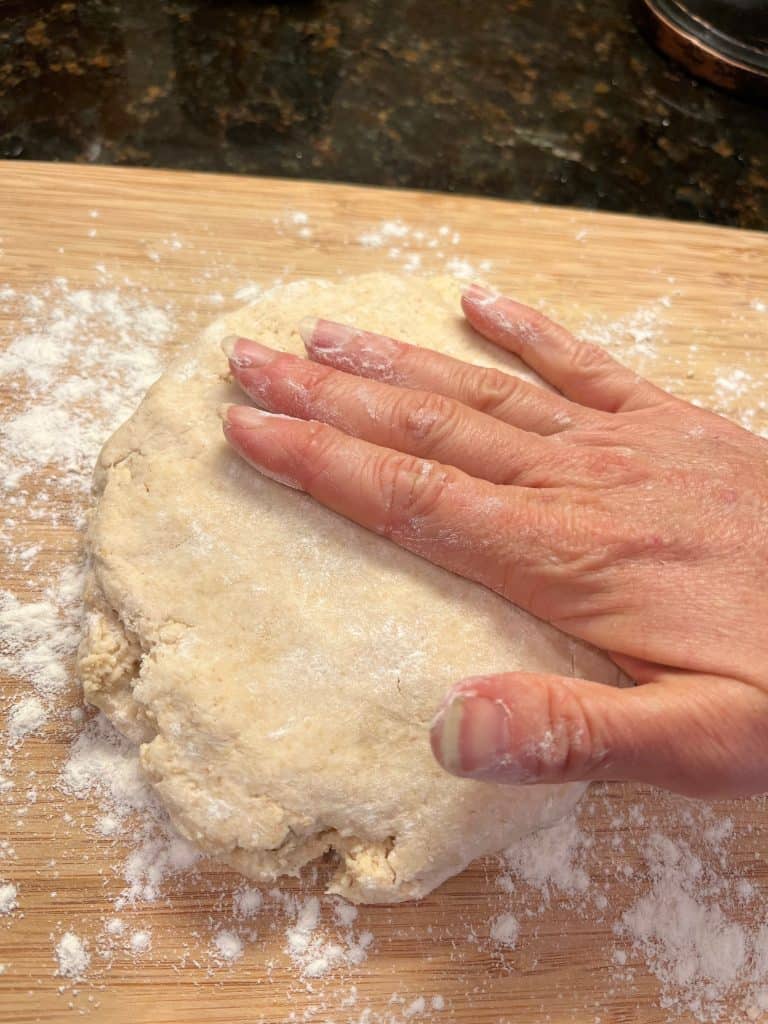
(280, 665)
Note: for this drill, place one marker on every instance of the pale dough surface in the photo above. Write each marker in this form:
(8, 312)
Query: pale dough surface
(280, 665)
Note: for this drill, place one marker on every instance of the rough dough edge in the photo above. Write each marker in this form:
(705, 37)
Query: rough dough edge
(108, 658)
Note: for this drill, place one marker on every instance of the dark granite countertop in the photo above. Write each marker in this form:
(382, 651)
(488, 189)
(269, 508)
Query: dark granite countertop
(527, 99)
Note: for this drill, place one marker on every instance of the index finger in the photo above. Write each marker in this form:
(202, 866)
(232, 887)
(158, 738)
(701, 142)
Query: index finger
(583, 372)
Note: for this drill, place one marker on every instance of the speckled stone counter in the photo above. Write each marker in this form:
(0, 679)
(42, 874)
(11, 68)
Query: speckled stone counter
(527, 99)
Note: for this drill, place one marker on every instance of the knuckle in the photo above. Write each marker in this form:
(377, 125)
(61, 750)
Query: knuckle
(313, 377)
(530, 326)
(493, 391)
(426, 418)
(589, 359)
(566, 747)
(537, 322)
(551, 736)
(610, 464)
(293, 384)
(412, 490)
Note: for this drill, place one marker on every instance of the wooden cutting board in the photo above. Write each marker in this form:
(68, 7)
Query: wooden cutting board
(194, 241)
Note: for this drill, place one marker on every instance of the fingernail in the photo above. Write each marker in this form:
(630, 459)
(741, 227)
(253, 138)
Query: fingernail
(480, 294)
(260, 456)
(307, 328)
(247, 416)
(243, 352)
(349, 348)
(326, 335)
(472, 735)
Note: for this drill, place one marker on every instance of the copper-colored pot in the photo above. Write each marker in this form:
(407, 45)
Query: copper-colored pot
(722, 41)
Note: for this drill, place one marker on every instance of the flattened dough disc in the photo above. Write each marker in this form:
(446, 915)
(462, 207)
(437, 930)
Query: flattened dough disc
(280, 665)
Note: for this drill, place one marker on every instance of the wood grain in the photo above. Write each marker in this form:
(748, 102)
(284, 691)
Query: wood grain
(704, 285)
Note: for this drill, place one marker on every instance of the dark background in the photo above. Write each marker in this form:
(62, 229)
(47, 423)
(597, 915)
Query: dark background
(534, 99)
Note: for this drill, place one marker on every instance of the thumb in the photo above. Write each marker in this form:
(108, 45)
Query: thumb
(698, 735)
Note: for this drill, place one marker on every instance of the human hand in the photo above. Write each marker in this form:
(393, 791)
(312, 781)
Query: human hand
(624, 516)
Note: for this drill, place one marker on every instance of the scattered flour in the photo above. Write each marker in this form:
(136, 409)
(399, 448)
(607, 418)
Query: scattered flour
(79, 365)
(699, 954)
(633, 337)
(345, 913)
(9, 900)
(246, 902)
(25, 717)
(680, 914)
(159, 857)
(72, 956)
(104, 762)
(412, 246)
(415, 1008)
(552, 860)
(735, 382)
(249, 292)
(38, 637)
(228, 945)
(505, 930)
(141, 942)
(315, 953)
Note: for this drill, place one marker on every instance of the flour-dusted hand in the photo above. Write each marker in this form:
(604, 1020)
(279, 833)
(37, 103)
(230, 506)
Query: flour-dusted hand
(622, 515)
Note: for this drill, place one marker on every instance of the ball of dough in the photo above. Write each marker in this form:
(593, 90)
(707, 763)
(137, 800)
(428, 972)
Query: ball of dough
(280, 665)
